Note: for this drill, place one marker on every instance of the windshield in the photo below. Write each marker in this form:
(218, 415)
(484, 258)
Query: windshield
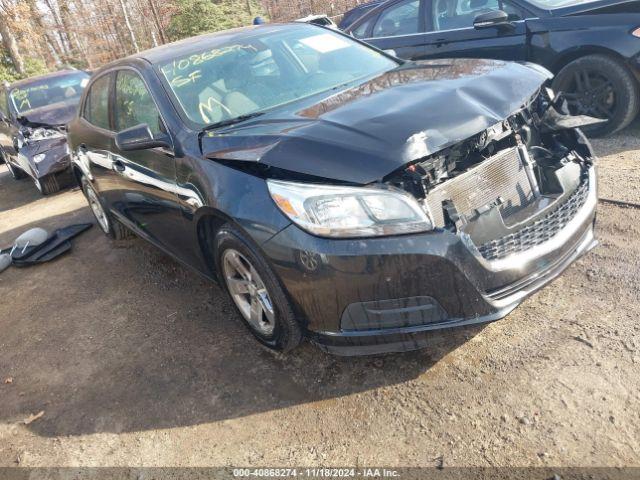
(47, 91)
(259, 72)
(551, 4)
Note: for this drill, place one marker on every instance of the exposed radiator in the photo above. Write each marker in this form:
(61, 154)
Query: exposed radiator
(501, 176)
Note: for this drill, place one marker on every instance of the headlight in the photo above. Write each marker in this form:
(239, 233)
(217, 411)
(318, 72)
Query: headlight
(331, 211)
(39, 157)
(636, 32)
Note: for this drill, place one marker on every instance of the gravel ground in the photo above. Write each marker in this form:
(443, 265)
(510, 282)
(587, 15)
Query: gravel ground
(136, 361)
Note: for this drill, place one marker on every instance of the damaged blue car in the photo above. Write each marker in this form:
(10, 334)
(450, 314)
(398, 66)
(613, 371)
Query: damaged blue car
(33, 116)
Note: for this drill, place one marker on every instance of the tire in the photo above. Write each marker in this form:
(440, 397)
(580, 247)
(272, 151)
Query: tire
(47, 185)
(15, 172)
(600, 86)
(280, 330)
(111, 227)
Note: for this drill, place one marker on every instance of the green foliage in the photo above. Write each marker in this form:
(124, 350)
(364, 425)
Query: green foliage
(194, 17)
(33, 67)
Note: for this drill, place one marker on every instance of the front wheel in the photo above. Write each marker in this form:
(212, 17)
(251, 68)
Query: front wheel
(256, 291)
(109, 225)
(600, 86)
(47, 185)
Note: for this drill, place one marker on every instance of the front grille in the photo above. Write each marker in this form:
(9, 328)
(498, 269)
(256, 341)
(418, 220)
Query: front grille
(501, 176)
(539, 231)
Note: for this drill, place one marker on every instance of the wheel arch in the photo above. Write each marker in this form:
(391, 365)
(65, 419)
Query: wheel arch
(566, 57)
(209, 221)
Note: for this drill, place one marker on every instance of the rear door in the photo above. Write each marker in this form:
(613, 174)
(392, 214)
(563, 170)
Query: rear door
(146, 178)
(400, 27)
(452, 34)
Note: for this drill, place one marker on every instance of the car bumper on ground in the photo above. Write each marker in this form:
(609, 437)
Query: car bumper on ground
(368, 296)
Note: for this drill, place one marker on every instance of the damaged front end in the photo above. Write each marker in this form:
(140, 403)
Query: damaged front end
(511, 207)
(510, 188)
(430, 205)
(43, 153)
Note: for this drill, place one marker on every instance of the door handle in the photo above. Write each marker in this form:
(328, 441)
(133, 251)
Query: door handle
(118, 166)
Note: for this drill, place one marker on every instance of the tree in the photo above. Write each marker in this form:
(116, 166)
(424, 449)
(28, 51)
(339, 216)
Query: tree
(132, 35)
(47, 43)
(200, 16)
(8, 39)
(156, 19)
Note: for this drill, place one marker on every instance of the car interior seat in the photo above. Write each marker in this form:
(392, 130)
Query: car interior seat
(387, 28)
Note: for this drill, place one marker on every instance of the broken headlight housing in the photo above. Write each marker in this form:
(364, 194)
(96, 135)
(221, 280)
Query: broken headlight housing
(349, 212)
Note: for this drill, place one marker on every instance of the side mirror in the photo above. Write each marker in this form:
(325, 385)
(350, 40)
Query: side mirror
(141, 138)
(496, 18)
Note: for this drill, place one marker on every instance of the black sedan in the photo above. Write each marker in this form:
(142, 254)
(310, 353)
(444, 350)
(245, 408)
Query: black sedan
(33, 117)
(337, 192)
(592, 47)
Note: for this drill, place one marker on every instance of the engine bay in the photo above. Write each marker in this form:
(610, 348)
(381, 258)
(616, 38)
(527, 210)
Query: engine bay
(506, 176)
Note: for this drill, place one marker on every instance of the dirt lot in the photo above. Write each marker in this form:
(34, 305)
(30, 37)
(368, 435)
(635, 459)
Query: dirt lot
(137, 361)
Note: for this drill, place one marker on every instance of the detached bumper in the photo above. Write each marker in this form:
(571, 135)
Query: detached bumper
(378, 295)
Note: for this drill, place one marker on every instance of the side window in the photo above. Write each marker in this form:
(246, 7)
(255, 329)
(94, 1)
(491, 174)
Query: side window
(134, 104)
(361, 31)
(96, 107)
(400, 19)
(453, 14)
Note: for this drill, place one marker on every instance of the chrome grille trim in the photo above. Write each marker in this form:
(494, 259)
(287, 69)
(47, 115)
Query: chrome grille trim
(539, 231)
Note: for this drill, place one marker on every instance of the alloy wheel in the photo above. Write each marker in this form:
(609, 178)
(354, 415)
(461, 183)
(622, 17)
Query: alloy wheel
(591, 93)
(248, 292)
(97, 209)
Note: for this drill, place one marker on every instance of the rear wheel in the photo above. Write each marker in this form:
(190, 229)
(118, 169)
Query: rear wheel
(256, 291)
(47, 185)
(109, 225)
(600, 86)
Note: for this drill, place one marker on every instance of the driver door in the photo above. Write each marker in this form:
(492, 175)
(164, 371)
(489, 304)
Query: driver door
(452, 34)
(146, 179)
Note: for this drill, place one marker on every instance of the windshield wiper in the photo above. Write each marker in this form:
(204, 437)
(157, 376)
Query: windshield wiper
(232, 121)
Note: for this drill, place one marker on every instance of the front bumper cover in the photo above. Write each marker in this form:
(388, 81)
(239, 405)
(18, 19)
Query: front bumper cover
(437, 276)
(56, 157)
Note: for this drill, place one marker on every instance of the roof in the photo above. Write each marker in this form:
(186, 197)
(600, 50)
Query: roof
(27, 81)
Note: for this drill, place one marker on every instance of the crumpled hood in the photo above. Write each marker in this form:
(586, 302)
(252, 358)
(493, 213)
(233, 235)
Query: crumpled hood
(362, 134)
(54, 115)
